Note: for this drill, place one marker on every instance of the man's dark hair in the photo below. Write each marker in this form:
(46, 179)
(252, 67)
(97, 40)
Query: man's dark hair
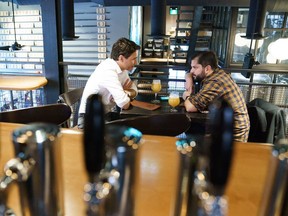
(124, 47)
(207, 58)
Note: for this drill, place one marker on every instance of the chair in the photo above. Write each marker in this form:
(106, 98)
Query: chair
(73, 99)
(267, 122)
(52, 113)
(170, 124)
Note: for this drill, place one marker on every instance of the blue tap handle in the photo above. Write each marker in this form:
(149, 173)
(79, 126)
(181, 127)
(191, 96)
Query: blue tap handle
(94, 131)
(221, 147)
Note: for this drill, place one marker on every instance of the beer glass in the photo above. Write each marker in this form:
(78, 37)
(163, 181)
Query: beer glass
(174, 101)
(156, 87)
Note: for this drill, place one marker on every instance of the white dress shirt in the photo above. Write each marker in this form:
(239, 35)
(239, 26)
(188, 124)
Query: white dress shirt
(107, 80)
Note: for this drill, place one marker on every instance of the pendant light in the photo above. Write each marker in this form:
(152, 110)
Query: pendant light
(15, 46)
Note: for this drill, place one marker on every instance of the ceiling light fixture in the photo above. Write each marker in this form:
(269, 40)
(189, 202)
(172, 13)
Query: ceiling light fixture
(15, 46)
(278, 49)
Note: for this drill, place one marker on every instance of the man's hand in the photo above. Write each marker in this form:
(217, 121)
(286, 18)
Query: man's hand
(185, 94)
(128, 89)
(128, 84)
(189, 85)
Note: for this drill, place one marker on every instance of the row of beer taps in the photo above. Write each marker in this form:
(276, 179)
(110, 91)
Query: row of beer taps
(110, 154)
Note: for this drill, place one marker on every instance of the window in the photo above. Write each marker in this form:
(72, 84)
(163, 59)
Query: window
(275, 28)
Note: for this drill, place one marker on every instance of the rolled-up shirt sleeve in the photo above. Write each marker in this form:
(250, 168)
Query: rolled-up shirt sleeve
(115, 90)
(207, 94)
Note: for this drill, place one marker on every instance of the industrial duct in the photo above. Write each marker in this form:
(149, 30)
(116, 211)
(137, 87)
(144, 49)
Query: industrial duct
(158, 18)
(68, 24)
(256, 19)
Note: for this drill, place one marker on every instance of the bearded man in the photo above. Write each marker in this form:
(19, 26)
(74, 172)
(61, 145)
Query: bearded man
(215, 84)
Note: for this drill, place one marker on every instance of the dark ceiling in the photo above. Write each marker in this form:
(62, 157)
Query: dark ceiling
(273, 5)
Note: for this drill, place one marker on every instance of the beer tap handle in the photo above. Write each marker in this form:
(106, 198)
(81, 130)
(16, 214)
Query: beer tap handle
(221, 146)
(94, 146)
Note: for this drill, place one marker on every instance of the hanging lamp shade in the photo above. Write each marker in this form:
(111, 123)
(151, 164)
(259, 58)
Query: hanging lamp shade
(5, 48)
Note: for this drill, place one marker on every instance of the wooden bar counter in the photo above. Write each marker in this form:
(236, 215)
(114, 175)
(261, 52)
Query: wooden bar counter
(21, 82)
(157, 176)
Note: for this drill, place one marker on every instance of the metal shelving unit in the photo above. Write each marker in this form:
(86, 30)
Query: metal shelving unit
(184, 28)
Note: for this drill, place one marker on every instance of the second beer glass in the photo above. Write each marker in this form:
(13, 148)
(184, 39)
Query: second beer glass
(174, 100)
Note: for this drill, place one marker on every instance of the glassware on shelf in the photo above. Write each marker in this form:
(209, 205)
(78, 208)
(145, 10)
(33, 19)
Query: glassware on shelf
(174, 100)
(156, 87)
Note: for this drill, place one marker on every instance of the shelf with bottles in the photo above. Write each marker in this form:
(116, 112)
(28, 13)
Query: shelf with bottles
(180, 43)
(179, 50)
(156, 47)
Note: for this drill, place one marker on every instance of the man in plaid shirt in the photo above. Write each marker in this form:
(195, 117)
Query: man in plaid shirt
(216, 83)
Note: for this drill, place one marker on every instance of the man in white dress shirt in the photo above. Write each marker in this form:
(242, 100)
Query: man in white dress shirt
(111, 79)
